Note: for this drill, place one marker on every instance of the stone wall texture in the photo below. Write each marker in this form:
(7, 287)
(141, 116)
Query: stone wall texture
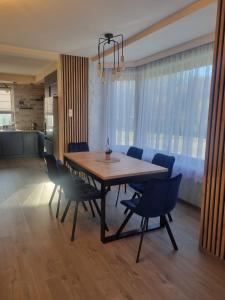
(28, 106)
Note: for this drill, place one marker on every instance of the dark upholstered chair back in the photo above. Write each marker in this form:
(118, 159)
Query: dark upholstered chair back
(159, 197)
(78, 147)
(165, 161)
(135, 152)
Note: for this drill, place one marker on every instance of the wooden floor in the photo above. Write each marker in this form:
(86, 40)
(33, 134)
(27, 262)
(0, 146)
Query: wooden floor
(37, 260)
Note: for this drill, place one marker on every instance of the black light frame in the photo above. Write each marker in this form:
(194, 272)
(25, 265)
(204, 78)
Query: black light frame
(109, 38)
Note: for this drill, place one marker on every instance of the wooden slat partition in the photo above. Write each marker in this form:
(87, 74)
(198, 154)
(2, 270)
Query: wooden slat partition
(213, 207)
(74, 90)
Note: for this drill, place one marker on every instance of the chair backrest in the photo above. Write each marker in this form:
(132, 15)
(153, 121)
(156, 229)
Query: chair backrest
(78, 147)
(159, 197)
(165, 161)
(70, 189)
(51, 165)
(135, 152)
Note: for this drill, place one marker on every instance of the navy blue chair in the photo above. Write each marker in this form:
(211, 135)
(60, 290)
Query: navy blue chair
(135, 153)
(79, 193)
(54, 171)
(78, 147)
(161, 160)
(165, 161)
(52, 168)
(158, 199)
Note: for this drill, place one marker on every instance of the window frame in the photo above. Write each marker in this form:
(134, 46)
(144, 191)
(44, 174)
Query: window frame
(8, 112)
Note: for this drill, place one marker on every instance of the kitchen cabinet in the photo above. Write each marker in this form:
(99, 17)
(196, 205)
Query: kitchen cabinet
(30, 144)
(11, 144)
(15, 144)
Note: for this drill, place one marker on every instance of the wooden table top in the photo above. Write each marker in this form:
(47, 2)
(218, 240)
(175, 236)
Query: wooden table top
(120, 166)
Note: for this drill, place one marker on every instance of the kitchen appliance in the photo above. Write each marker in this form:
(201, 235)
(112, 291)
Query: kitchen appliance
(51, 125)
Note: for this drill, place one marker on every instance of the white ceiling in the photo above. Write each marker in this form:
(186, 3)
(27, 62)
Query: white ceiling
(73, 27)
(189, 28)
(21, 65)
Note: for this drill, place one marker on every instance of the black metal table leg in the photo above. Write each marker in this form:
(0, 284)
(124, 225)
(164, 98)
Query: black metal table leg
(105, 188)
(103, 221)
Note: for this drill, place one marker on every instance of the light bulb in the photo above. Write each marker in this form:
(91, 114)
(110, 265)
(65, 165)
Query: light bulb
(99, 70)
(122, 62)
(103, 76)
(118, 72)
(114, 74)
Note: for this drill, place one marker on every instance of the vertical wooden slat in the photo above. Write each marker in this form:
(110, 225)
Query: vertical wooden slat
(210, 146)
(216, 172)
(213, 207)
(74, 96)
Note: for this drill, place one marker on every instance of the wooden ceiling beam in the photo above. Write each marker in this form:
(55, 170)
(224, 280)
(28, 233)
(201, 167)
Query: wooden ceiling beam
(184, 12)
(26, 52)
(23, 79)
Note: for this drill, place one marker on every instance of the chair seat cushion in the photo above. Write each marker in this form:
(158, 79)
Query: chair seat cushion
(139, 187)
(82, 192)
(131, 203)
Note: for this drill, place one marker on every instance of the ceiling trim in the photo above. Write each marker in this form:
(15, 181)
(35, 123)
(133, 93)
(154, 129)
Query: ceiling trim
(26, 52)
(184, 12)
(209, 38)
(22, 79)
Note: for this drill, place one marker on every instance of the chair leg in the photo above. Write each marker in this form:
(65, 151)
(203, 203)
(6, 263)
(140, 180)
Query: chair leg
(92, 210)
(147, 219)
(59, 199)
(162, 222)
(74, 221)
(65, 211)
(125, 188)
(124, 223)
(170, 234)
(144, 228)
(118, 195)
(52, 196)
(170, 217)
(142, 222)
(125, 211)
(84, 206)
(99, 212)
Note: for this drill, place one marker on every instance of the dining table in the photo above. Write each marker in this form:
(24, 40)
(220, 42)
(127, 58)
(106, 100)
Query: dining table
(111, 170)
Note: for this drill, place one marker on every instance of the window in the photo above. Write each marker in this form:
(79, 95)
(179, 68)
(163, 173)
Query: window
(123, 104)
(175, 112)
(163, 107)
(6, 116)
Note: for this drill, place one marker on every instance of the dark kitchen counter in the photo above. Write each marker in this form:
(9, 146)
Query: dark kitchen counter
(21, 143)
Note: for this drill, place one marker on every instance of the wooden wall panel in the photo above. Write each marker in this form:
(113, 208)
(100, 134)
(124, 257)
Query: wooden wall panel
(74, 91)
(213, 208)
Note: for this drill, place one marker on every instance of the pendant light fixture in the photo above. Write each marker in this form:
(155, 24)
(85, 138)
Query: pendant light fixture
(116, 41)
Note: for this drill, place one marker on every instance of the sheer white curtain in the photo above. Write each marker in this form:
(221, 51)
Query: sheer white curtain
(173, 102)
(120, 97)
(163, 107)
